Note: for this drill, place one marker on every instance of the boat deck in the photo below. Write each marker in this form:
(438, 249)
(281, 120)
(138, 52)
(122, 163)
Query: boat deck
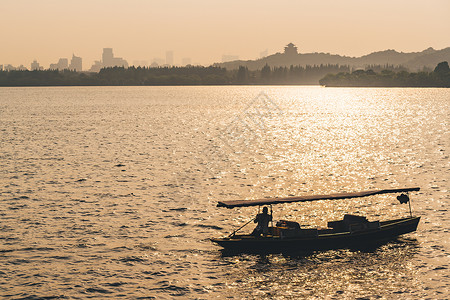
(320, 239)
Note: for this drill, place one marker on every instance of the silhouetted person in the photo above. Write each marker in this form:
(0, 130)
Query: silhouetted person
(263, 223)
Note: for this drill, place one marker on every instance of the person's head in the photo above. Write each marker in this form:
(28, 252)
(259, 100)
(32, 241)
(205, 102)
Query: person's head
(265, 210)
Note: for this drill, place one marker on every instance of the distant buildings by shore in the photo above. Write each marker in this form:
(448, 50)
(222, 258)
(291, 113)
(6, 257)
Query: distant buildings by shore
(108, 61)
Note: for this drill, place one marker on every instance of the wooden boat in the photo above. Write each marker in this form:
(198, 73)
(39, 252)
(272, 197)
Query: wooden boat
(350, 232)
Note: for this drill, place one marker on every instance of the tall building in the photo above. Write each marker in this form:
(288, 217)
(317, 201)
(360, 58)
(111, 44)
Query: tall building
(108, 61)
(76, 63)
(169, 58)
(96, 67)
(35, 66)
(108, 57)
(62, 64)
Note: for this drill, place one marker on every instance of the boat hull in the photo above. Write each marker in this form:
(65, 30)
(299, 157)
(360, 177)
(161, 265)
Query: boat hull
(388, 230)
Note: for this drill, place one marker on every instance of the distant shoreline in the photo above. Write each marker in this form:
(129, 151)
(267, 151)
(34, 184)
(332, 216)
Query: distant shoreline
(439, 78)
(172, 76)
(232, 85)
(324, 75)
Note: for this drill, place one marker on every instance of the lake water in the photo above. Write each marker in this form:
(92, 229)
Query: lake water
(111, 192)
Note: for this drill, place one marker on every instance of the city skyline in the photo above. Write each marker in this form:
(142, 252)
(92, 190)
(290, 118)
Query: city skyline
(108, 59)
(204, 31)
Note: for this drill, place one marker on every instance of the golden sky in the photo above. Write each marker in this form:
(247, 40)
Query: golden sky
(205, 30)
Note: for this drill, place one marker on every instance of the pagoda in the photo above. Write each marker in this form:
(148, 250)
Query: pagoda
(290, 49)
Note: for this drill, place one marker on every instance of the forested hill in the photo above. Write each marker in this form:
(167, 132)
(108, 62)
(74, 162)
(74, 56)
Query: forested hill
(440, 77)
(414, 61)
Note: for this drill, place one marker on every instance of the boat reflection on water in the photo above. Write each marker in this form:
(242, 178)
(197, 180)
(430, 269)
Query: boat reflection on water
(326, 274)
(396, 250)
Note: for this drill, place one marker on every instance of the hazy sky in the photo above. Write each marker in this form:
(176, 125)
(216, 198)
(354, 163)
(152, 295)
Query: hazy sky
(205, 30)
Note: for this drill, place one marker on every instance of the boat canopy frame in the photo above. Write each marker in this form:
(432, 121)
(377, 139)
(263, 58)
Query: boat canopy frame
(269, 201)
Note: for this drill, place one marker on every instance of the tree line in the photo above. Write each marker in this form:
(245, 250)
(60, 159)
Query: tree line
(189, 75)
(440, 77)
(327, 75)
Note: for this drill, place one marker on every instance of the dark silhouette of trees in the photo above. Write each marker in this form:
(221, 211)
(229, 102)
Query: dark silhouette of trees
(189, 75)
(119, 76)
(242, 75)
(442, 68)
(440, 77)
(265, 74)
(293, 75)
(328, 74)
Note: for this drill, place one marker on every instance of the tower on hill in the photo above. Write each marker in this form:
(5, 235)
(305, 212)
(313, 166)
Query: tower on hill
(290, 49)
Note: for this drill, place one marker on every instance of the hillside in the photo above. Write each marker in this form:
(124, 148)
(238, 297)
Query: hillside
(414, 61)
(429, 60)
(440, 77)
